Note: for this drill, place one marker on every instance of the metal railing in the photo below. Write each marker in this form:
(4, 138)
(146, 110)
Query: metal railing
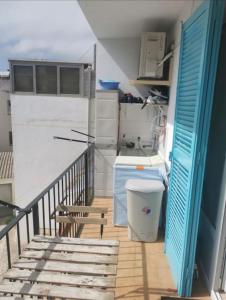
(75, 186)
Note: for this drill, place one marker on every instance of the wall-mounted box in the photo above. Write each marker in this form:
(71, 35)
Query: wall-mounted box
(152, 52)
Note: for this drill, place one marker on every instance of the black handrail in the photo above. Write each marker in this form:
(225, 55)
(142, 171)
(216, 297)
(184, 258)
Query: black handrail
(75, 185)
(10, 205)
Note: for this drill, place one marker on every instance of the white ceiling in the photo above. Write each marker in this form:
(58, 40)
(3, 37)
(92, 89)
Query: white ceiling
(128, 18)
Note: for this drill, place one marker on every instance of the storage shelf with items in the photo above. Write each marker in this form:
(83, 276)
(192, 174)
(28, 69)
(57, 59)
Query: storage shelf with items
(155, 97)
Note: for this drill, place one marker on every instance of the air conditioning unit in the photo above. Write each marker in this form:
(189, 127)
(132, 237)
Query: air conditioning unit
(152, 52)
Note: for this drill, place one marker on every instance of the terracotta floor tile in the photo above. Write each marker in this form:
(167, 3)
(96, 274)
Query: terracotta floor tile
(143, 272)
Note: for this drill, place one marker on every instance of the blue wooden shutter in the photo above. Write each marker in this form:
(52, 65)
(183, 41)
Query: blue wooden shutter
(200, 41)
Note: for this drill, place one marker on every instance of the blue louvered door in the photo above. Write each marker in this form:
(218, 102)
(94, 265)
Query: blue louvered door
(200, 41)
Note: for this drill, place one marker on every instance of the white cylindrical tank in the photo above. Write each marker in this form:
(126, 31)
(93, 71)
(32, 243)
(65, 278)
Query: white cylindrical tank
(144, 199)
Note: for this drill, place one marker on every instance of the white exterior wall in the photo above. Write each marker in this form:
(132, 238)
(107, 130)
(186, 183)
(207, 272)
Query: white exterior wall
(136, 122)
(118, 59)
(38, 158)
(5, 118)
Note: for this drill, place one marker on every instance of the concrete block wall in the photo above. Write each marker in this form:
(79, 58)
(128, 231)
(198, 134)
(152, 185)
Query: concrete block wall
(106, 137)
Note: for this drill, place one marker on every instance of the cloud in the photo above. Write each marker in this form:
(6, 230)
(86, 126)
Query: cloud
(55, 30)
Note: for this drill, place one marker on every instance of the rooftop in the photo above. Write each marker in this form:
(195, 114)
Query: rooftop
(45, 61)
(4, 74)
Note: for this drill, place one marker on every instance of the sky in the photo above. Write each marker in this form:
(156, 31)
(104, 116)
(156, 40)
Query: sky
(40, 29)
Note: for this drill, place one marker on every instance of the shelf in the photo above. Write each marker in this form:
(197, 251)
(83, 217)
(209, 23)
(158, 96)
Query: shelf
(159, 104)
(155, 81)
(154, 105)
(149, 82)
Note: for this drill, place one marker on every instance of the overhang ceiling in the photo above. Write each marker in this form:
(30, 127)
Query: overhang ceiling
(128, 18)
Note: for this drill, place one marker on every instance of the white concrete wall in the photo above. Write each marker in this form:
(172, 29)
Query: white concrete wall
(38, 158)
(118, 59)
(135, 122)
(5, 118)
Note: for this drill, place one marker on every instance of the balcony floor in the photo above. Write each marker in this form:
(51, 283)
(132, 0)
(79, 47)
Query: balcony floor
(143, 271)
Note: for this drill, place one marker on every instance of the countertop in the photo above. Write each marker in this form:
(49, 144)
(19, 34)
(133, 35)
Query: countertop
(149, 161)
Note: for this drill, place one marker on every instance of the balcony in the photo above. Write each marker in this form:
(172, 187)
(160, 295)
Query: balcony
(80, 268)
(143, 272)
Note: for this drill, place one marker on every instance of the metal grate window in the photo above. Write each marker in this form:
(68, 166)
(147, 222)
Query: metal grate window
(9, 107)
(52, 78)
(23, 78)
(10, 138)
(46, 79)
(69, 80)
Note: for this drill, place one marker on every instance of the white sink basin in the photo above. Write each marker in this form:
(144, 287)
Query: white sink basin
(136, 152)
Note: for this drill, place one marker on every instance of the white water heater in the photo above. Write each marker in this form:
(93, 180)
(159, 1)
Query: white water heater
(152, 52)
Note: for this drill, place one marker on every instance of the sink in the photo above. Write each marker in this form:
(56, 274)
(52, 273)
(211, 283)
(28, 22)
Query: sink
(136, 152)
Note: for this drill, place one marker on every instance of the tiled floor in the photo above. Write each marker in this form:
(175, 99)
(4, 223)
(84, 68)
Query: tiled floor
(223, 296)
(143, 271)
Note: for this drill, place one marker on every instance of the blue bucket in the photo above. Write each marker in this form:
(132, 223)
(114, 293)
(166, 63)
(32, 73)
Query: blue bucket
(109, 84)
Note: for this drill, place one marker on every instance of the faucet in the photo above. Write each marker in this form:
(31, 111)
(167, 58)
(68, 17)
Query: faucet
(123, 141)
(138, 145)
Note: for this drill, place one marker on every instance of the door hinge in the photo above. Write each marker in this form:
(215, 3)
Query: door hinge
(170, 155)
(188, 278)
(188, 273)
(198, 159)
(192, 272)
(196, 272)
(223, 261)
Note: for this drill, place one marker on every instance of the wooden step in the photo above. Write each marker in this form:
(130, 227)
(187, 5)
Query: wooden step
(55, 291)
(81, 209)
(71, 257)
(73, 248)
(80, 220)
(72, 268)
(75, 241)
(56, 278)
